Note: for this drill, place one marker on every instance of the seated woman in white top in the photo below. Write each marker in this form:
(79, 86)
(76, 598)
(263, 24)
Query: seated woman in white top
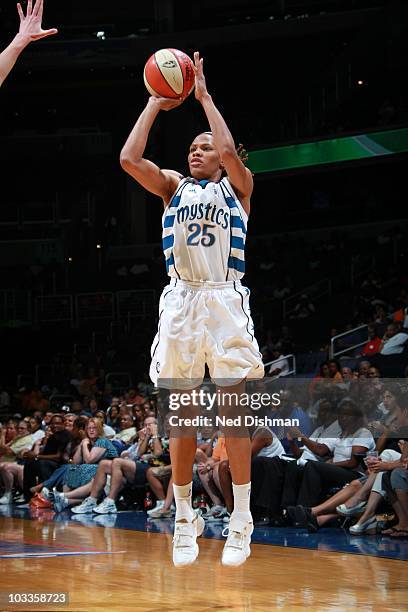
(345, 466)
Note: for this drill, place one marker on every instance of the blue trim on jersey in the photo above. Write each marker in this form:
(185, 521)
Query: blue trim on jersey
(169, 221)
(237, 222)
(175, 201)
(237, 243)
(169, 262)
(168, 241)
(237, 264)
(231, 201)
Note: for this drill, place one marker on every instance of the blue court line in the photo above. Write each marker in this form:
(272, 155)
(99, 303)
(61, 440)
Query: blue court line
(326, 539)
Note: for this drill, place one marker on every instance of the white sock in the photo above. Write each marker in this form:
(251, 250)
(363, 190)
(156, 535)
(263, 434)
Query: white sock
(182, 497)
(242, 495)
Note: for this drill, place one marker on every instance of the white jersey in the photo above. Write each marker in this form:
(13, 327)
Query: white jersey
(204, 231)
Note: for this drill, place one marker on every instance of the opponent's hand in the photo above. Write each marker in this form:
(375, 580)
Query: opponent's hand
(200, 89)
(30, 24)
(166, 104)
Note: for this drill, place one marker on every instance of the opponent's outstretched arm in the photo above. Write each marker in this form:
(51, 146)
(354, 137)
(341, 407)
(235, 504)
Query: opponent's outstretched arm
(30, 29)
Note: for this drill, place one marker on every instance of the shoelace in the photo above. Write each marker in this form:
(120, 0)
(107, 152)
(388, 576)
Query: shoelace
(182, 532)
(235, 539)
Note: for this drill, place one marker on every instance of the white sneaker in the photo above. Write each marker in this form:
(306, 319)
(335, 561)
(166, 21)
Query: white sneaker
(47, 494)
(237, 547)
(108, 506)
(159, 504)
(60, 501)
(185, 547)
(161, 513)
(87, 505)
(358, 529)
(216, 514)
(226, 518)
(6, 499)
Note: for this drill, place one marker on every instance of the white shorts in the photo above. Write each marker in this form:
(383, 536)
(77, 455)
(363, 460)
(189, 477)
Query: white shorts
(204, 323)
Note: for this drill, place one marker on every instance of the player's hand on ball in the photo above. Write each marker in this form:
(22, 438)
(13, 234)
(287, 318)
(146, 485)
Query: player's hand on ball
(166, 104)
(200, 84)
(30, 24)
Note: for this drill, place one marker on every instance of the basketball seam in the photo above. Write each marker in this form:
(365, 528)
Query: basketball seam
(164, 78)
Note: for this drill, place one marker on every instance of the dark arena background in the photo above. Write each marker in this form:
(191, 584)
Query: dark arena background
(317, 93)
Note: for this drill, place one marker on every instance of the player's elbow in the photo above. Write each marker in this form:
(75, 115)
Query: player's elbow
(125, 161)
(228, 153)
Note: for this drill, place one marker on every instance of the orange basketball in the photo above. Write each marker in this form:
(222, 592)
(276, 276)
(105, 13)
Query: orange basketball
(169, 73)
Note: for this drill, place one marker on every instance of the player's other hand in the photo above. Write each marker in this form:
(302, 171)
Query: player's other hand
(30, 24)
(200, 89)
(166, 104)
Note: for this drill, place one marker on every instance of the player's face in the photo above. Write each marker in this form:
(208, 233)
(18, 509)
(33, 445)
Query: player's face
(203, 158)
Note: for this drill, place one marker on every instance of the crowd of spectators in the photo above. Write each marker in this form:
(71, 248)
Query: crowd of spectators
(343, 458)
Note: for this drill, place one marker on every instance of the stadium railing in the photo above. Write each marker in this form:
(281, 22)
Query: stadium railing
(348, 341)
(291, 359)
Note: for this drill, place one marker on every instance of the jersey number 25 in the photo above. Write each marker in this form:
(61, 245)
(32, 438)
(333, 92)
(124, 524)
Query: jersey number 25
(206, 239)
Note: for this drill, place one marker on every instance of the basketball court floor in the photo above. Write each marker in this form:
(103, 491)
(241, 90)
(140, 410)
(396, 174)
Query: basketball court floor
(123, 562)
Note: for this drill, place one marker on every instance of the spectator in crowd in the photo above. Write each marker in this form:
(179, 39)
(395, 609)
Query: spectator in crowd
(280, 365)
(277, 480)
(126, 469)
(347, 452)
(393, 341)
(387, 410)
(138, 414)
(396, 485)
(334, 371)
(78, 433)
(112, 415)
(400, 316)
(108, 431)
(373, 343)
(127, 432)
(290, 408)
(208, 473)
(22, 441)
(352, 499)
(47, 419)
(92, 449)
(322, 377)
(36, 432)
(10, 456)
(69, 420)
(363, 368)
(8, 433)
(378, 468)
(160, 481)
(46, 456)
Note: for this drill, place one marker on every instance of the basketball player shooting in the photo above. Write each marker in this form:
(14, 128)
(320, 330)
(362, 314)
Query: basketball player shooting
(30, 30)
(204, 311)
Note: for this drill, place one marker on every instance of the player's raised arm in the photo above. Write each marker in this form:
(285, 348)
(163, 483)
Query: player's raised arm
(160, 182)
(30, 30)
(239, 176)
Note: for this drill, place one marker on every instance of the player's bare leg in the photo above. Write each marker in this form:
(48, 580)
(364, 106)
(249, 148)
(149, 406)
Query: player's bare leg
(237, 546)
(188, 524)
